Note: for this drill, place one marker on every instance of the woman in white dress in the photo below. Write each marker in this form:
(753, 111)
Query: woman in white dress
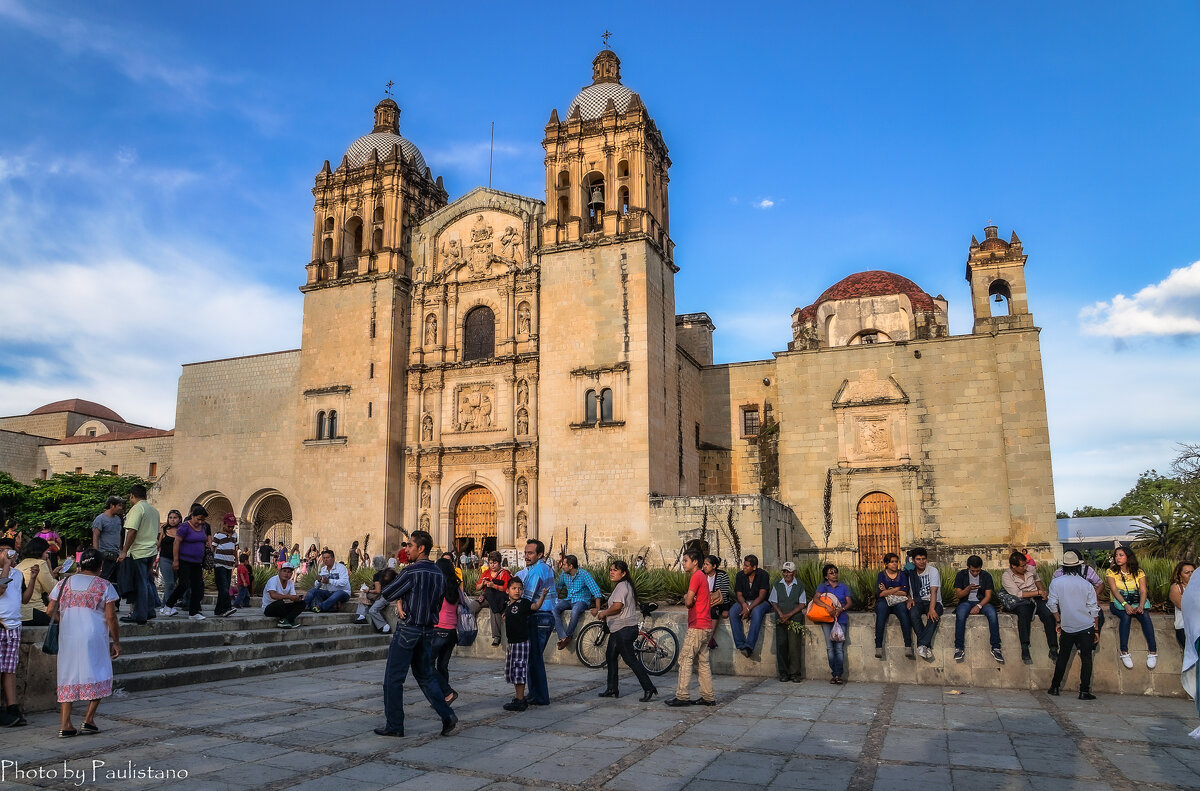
(84, 606)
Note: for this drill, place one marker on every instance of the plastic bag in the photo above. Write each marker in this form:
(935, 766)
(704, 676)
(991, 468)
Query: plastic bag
(837, 634)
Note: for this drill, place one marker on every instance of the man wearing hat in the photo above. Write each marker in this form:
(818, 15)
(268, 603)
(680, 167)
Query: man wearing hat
(224, 562)
(280, 600)
(1072, 599)
(787, 599)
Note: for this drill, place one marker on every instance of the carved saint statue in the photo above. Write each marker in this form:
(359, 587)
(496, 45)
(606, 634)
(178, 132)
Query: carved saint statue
(522, 491)
(430, 330)
(485, 412)
(482, 247)
(452, 254)
(425, 522)
(425, 494)
(523, 319)
(522, 392)
(522, 422)
(510, 244)
(427, 429)
(522, 528)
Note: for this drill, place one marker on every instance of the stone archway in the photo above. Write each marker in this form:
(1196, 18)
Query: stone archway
(217, 505)
(878, 529)
(271, 515)
(474, 527)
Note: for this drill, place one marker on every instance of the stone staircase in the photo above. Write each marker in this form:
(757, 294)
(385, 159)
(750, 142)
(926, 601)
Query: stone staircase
(170, 652)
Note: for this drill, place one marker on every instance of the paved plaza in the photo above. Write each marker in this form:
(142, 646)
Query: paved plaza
(313, 730)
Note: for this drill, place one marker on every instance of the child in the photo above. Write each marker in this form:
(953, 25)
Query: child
(243, 582)
(516, 627)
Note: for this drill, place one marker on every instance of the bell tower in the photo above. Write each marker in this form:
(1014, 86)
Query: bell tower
(996, 273)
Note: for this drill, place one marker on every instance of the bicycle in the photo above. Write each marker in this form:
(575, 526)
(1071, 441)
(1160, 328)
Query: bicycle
(658, 647)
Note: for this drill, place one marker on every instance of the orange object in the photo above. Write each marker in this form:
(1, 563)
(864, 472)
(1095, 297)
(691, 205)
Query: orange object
(822, 608)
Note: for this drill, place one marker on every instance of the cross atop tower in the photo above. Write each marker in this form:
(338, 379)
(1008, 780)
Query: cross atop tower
(387, 89)
(607, 35)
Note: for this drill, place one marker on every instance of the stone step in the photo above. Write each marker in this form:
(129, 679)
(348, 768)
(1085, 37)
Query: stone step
(245, 619)
(157, 679)
(185, 641)
(296, 642)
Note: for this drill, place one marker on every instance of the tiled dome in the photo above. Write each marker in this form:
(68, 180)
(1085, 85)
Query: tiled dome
(594, 98)
(381, 143)
(877, 283)
(89, 408)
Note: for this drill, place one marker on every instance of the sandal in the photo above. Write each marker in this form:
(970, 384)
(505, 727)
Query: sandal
(66, 734)
(90, 727)
(452, 697)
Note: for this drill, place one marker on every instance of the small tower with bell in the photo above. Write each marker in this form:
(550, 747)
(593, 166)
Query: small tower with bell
(996, 273)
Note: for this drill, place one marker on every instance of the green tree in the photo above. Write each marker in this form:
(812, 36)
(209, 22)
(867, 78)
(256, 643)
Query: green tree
(1147, 494)
(14, 498)
(69, 502)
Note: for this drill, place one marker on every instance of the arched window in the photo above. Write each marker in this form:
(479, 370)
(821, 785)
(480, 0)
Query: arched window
(377, 239)
(564, 178)
(328, 224)
(623, 168)
(353, 236)
(479, 334)
(321, 425)
(592, 407)
(327, 249)
(333, 426)
(606, 400)
(378, 214)
(623, 200)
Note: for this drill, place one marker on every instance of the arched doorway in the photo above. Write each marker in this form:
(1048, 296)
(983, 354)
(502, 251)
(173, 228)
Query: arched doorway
(217, 505)
(878, 529)
(272, 518)
(475, 521)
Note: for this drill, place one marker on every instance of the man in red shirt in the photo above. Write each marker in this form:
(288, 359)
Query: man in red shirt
(695, 643)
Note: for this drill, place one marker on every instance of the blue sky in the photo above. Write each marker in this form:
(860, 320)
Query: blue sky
(156, 161)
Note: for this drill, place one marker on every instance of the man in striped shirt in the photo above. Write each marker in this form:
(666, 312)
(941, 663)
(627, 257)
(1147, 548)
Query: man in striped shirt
(224, 562)
(418, 593)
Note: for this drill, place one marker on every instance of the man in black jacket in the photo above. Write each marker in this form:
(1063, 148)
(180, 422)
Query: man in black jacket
(974, 588)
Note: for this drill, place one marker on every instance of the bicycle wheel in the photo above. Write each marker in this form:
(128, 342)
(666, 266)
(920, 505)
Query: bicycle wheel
(592, 645)
(658, 649)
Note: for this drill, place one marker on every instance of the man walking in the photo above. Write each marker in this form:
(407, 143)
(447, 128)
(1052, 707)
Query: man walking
(925, 588)
(1072, 599)
(583, 594)
(695, 642)
(225, 561)
(418, 592)
(139, 549)
(788, 600)
(539, 586)
(106, 535)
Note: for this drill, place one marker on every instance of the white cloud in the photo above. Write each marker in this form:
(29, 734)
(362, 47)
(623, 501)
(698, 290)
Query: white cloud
(1170, 307)
(765, 203)
(472, 156)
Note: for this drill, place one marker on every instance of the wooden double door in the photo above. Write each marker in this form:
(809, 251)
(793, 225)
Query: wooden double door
(878, 529)
(475, 521)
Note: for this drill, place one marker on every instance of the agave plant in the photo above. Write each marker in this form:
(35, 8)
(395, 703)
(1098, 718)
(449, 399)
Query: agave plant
(1162, 530)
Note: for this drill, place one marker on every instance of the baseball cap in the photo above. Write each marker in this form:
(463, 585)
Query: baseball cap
(789, 566)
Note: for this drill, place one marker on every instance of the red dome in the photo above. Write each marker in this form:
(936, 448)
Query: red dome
(877, 283)
(993, 243)
(78, 405)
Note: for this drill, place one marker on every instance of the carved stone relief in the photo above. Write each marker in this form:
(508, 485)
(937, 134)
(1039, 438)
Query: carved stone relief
(430, 330)
(510, 245)
(874, 437)
(522, 392)
(524, 319)
(522, 422)
(425, 522)
(475, 243)
(427, 428)
(473, 407)
(522, 491)
(425, 494)
(522, 528)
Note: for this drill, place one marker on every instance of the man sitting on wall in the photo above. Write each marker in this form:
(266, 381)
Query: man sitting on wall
(582, 594)
(751, 588)
(974, 588)
(332, 586)
(1027, 597)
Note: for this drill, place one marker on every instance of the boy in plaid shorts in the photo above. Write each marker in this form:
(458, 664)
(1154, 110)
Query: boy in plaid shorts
(11, 598)
(516, 628)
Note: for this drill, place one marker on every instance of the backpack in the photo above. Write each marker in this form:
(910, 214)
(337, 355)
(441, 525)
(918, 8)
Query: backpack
(467, 626)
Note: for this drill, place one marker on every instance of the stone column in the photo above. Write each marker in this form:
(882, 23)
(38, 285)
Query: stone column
(413, 492)
(511, 380)
(506, 530)
(532, 406)
(437, 527)
(531, 477)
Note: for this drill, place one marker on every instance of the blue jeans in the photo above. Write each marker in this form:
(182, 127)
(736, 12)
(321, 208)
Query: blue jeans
(243, 597)
(577, 610)
(926, 628)
(835, 651)
(412, 646)
(541, 626)
(740, 639)
(222, 576)
(882, 611)
(1123, 628)
(325, 601)
(143, 606)
(960, 623)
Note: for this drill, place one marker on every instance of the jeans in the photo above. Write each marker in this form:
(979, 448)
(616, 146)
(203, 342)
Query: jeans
(925, 630)
(1084, 641)
(960, 623)
(882, 611)
(412, 647)
(190, 580)
(221, 578)
(835, 651)
(284, 610)
(695, 651)
(497, 618)
(374, 612)
(541, 626)
(444, 641)
(1123, 629)
(740, 638)
(143, 605)
(168, 575)
(326, 601)
(1025, 612)
(577, 610)
(620, 643)
(243, 597)
(789, 651)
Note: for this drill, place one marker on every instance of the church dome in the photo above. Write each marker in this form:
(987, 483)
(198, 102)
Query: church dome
(381, 143)
(876, 283)
(594, 98)
(80, 406)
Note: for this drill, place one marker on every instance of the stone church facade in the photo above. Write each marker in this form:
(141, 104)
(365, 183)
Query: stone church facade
(501, 367)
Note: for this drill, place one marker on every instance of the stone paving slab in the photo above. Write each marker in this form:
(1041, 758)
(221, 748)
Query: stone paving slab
(312, 730)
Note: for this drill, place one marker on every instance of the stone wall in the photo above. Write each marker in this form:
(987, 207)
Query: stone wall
(132, 456)
(19, 454)
(747, 524)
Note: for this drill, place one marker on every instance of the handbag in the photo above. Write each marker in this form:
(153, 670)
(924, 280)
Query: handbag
(1009, 601)
(716, 597)
(50, 644)
(466, 625)
(822, 608)
(209, 562)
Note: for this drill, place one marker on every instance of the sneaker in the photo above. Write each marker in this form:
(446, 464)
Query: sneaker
(131, 619)
(908, 651)
(999, 657)
(282, 623)
(960, 655)
(1127, 661)
(495, 640)
(1025, 657)
(197, 617)
(360, 619)
(879, 652)
(290, 624)
(387, 628)
(229, 612)
(516, 705)
(925, 652)
(676, 702)
(167, 612)
(1053, 654)
(747, 651)
(1151, 660)
(316, 609)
